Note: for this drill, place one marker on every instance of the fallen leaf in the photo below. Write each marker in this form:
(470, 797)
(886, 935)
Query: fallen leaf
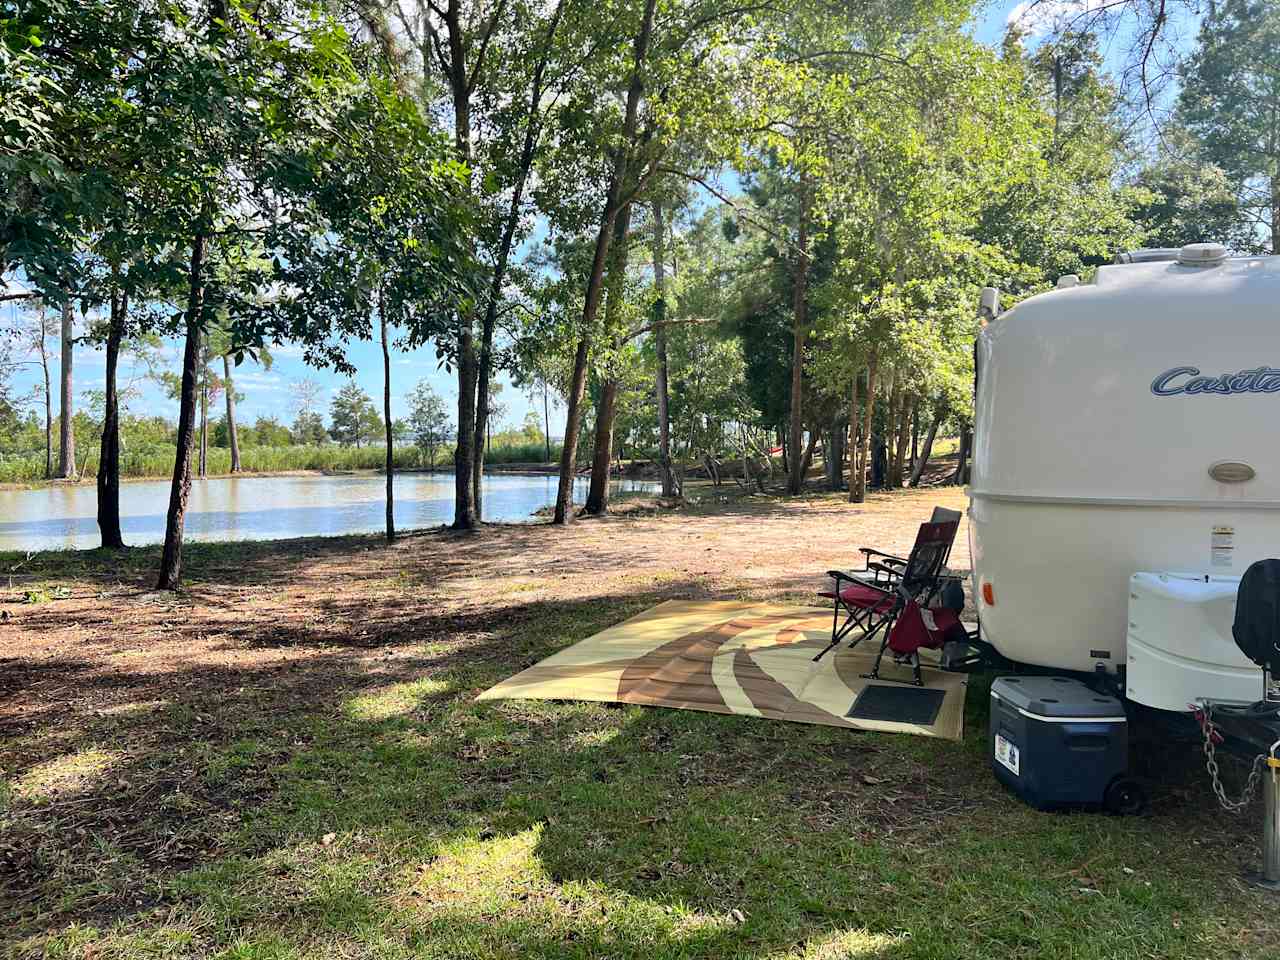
(328, 839)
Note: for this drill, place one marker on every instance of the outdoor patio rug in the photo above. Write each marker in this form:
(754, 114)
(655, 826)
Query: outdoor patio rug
(732, 657)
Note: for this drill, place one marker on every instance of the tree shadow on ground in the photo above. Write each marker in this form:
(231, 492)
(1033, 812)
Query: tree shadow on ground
(347, 804)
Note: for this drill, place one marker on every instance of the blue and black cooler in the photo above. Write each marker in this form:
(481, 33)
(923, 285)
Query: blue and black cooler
(1057, 743)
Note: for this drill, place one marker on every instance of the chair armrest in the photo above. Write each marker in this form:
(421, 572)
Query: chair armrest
(869, 552)
(877, 585)
(892, 572)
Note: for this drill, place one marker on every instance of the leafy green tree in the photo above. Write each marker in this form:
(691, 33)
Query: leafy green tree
(1230, 100)
(428, 422)
(498, 71)
(354, 420)
(1186, 199)
(308, 429)
(270, 432)
(395, 202)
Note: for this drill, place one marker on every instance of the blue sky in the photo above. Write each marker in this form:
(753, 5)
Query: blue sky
(267, 392)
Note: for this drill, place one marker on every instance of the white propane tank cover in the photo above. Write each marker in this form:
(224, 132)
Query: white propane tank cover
(1068, 280)
(1202, 254)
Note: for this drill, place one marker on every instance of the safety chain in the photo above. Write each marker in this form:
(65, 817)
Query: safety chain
(1204, 715)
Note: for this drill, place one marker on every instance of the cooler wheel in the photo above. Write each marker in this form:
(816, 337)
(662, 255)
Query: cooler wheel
(1125, 797)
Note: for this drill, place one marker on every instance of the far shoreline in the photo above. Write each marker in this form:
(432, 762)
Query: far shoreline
(518, 469)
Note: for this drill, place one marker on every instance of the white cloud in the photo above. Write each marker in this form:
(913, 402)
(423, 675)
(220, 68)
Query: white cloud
(1042, 17)
(258, 381)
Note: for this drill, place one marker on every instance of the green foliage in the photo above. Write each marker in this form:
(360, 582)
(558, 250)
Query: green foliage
(355, 420)
(308, 429)
(428, 424)
(1187, 200)
(1229, 94)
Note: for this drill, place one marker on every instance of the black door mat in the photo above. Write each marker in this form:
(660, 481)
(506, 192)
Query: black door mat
(898, 704)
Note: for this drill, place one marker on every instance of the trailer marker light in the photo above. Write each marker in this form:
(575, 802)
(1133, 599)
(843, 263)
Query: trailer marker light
(989, 594)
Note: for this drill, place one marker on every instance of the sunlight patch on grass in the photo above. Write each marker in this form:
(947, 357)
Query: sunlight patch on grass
(48, 780)
(134, 709)
(469, 868)
(591, 739)
(394, 701)
(843, 945)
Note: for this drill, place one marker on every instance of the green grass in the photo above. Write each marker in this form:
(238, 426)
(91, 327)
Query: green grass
(339, 812)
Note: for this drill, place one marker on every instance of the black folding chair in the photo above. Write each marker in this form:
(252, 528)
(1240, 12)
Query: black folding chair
(871, 599)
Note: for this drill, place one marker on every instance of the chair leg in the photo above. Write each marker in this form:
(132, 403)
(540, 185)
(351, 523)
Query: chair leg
(838, 631)
(917, 678)
(869, 631)
(874, 673)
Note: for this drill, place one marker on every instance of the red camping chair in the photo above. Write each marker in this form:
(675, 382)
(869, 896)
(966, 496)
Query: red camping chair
(919, 628)
(872, 598)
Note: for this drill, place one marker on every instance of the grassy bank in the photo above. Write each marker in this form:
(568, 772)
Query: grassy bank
(157, 461)
(288, 762)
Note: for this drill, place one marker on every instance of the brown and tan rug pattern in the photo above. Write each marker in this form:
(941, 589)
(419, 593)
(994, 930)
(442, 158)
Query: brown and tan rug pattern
(728, 657)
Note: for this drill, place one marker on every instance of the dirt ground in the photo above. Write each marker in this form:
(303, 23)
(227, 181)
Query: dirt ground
(106, 638)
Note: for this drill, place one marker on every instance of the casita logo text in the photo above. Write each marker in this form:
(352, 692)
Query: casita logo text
(1187, 380)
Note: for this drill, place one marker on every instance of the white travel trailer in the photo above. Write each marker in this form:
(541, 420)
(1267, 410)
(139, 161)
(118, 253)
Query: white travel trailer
(1126, 471)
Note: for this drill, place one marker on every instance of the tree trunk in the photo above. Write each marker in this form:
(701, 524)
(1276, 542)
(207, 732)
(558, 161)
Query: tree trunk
(595, 280)
(923, 460)
(386, 418)
(958, 478)
(532, 133)
(464, 506)
(898, 471)
(891, 430)
(66, 428)
(834, 459)
(598, 494)
(48, 402)
(800, 329)
(180, 489)
(108, 479)
(808, 452)
(546, 420)
(573, 421)
(660, 348)
(204, 411)
(1275, 215)
(858, 484)
(855, 443)
(915, 432)
(232, 438)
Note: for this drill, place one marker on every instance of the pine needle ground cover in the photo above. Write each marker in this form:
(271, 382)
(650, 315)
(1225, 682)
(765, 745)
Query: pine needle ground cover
(288, 761)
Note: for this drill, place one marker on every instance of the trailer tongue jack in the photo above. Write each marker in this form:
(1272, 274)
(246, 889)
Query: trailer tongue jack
(1255, 728)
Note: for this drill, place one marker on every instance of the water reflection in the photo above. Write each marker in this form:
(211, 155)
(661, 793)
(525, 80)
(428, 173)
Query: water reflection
(267, 508)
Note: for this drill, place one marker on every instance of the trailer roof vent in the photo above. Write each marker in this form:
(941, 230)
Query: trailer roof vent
(1148, 255)
(1067, 281)
(1202, 254)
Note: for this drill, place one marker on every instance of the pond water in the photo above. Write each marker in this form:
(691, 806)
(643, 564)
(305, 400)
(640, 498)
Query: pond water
(269, 508)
